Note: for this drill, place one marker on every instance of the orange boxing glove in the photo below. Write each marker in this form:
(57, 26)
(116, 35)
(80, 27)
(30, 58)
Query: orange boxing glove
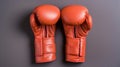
(77, 22)
(43, 22)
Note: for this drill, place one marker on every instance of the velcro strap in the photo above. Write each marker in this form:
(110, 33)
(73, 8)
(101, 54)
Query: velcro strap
(82, 46)
(72, 46)
(48, 45)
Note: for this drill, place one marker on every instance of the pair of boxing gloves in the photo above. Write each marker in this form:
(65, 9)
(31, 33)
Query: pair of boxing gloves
(77, 22)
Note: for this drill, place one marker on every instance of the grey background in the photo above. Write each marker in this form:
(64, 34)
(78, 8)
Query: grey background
(16, 37)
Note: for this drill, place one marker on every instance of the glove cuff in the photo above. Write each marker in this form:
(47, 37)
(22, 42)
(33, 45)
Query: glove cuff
(45, 58)
(45, 50)
(75, 49)
(76, 59)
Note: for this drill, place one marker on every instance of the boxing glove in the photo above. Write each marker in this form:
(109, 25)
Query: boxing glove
(77, 22)
(43, 22)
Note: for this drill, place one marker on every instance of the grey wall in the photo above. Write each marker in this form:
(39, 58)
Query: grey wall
(16, 37)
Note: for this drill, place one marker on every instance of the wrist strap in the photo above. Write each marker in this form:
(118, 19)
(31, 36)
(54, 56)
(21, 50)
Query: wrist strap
(44, 46)
(76, 46)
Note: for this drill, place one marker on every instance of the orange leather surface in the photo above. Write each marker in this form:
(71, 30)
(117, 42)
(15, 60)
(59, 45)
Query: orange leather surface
(43, 20)
(77, 22)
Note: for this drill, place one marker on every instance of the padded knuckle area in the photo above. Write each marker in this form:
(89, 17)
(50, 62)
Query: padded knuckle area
(47, 14)
(74, 14)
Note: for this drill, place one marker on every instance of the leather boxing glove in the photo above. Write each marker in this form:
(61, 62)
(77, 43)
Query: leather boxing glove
(43, 22)
(77, 22)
